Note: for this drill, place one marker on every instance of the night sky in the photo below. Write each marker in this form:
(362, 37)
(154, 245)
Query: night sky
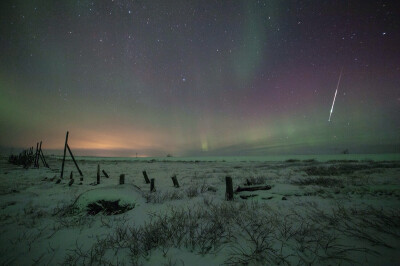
(200, 77)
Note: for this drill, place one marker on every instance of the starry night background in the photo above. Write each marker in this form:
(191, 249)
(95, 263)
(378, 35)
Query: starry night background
(200, 77)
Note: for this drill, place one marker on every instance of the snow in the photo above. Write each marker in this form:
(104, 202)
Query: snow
(38, 226)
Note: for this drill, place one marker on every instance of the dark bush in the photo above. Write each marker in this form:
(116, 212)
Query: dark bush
(25, 158)
(107, 207)
(292, 161)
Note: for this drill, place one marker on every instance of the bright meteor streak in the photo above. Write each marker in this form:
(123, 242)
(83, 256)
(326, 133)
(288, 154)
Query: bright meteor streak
(334, 98)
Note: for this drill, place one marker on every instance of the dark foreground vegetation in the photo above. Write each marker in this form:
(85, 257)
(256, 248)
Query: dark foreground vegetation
(251, 233)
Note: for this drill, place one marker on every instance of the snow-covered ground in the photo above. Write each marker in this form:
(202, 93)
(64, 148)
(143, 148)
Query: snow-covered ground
(320, 213)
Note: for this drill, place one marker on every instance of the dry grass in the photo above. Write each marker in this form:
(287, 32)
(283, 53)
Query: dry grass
(163, 196)
(319, 181)
(348, 167)
(251, 233)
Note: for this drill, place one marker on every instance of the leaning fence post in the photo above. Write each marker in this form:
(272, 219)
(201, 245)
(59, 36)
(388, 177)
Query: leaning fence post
(152, 187)
(175, 181)
(105, 174)
(65, 151)
(229, 188)
(43, 159)
(73, 159)
(122, 179)
(146, 178)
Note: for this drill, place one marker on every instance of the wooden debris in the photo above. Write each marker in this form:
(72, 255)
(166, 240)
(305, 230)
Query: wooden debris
(248, 196)
(240, 189)
(268, 198)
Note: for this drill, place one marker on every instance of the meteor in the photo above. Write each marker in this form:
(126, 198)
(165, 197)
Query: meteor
(334, 98)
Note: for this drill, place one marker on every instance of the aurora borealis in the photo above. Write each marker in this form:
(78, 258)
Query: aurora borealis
(200, 77)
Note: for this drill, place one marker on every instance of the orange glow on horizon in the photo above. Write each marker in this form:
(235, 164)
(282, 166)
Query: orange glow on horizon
(111, 141)
(114, 141)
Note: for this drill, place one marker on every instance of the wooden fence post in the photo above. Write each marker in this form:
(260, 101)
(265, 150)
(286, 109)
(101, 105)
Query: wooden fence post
(175, 181)
(152, 187)
(122, 179)
(146, 178)
(229, 188)
(98, 174)
(36, 154)
(71, 181)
